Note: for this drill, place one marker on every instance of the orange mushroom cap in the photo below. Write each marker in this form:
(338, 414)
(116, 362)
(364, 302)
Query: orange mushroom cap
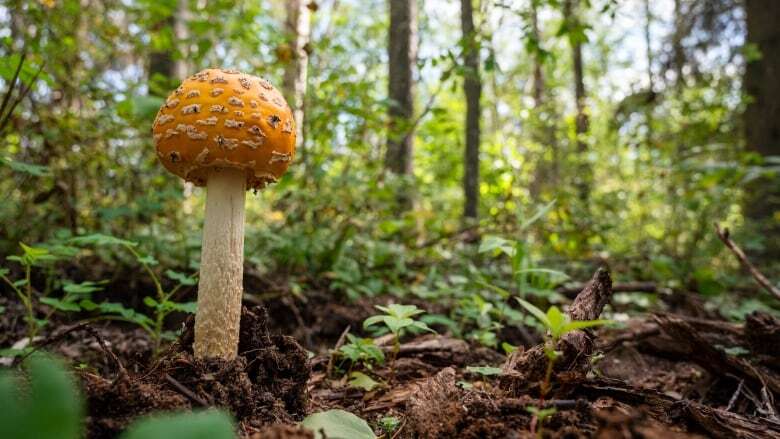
(225, 119)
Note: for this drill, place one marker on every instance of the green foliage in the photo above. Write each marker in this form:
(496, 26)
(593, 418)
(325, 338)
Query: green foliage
(362, 351)
(23, 288)
(362, 381)
(558, 323)
(485, 371)
(162, 304)
(389, 424)
(337, 424)
(398, 319)
(48, 408)
(210, 424)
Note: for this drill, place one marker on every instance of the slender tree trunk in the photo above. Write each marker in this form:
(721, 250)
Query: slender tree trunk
(581, 127)
(163, 62)
(762, 120)
(472, 87)
(402, 55)
(298, 25)
(538, 84)
(677, 47)
(546, 174)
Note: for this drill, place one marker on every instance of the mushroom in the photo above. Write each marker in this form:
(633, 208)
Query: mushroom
(201, 138)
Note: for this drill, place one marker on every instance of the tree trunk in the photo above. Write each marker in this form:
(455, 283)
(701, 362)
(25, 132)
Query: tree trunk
(538, 84)
(762, 120)
(163, 62)
(402, 55)
(581, 127)
(472, 87)
(298, 25)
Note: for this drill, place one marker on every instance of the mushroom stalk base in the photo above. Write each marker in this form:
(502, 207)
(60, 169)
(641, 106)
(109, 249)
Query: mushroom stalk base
(221, 266)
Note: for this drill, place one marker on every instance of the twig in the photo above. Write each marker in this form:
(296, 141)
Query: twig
(77, 327)
(185, 391)
(400, 429)
(12, 84)
(329, 370)
(757, 275)
(734, 397)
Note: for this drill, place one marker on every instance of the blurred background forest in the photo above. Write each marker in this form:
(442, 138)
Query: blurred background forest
(443, 144)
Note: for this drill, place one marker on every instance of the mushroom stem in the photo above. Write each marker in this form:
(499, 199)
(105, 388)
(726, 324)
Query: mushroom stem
(221, 266)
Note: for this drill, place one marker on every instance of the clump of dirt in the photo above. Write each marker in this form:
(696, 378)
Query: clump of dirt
(265, 384)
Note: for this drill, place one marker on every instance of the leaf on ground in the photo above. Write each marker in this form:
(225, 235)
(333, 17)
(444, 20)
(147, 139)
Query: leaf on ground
(338, 424)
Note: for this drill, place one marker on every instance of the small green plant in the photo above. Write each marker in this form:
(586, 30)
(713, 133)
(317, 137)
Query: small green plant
(540, 416)
(398, 319)
(527, 277)
(29, 258)
(48, 406)
(557, 324)
(361, 351)
(162, 303)
(389, 424)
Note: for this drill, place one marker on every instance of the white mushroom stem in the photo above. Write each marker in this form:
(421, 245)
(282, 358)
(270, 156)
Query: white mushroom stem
(221, 266)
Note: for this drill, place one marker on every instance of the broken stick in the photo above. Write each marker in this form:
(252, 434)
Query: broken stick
(746, 264)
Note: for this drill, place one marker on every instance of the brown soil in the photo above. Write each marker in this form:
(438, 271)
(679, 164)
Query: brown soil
(685, 373)
(265, 384)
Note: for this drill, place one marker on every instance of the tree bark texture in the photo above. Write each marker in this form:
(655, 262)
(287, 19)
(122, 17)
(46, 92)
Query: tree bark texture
(472, 87)
(402, 55)
(762, 121)
(298, 27)
(581, 125)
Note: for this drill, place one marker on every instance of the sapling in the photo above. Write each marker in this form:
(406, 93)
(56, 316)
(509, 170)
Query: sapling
(363, 351)
(162, 303)
(30, 256)
(398, 319)
(557, 324)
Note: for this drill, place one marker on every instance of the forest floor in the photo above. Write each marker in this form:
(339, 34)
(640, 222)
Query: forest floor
(684, 372)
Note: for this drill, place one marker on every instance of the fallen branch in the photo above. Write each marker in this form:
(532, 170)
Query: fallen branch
(713, 359)
(746, 264)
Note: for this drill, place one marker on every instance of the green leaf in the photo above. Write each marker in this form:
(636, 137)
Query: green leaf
(536, 312)
(49, 408)
(338, 424)
(396, 324)
(83, 289)
(99, 239)
(582, 324)
(504, 294)
(148, 260)
(187, 307)
(61, 305)
(371, 321)
(484, 370)
(542, 211)
(33, 254)
(181, 277)
(422, 326)
(556, 321)
(496, 245)
(362, 381)
(400, 311)
(25, 168)
(209, 424)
